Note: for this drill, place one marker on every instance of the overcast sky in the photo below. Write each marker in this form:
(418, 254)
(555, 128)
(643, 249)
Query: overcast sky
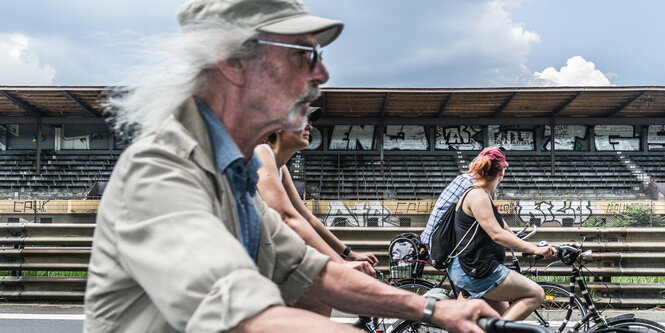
(385, 43)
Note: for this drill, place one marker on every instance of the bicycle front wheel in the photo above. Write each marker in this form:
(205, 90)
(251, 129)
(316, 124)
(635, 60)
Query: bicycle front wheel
(555, 307)
(403, 326)
(633, 325)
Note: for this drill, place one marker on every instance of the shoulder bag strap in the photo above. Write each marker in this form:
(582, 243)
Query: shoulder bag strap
(475, 230)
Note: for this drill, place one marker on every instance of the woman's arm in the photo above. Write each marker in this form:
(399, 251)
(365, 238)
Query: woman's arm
(272, 192)
(479, 206)
(320, 228)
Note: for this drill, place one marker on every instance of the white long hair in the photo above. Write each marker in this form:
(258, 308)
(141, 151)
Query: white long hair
(177, 69)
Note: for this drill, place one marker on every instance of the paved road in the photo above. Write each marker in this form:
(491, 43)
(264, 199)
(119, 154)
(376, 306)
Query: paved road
(44, 318)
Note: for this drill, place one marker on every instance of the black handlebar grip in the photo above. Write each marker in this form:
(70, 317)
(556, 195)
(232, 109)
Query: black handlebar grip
(496, 325)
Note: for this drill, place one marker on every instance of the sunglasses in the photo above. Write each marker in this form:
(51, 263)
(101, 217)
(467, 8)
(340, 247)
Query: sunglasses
(314, 56)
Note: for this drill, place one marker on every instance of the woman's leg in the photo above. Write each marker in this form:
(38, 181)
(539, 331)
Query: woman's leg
(499, 306)
(524, 294)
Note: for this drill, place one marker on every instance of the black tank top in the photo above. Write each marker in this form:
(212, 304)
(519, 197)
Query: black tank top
(483, 255)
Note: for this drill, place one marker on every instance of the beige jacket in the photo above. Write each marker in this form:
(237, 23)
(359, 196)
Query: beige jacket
(166, 253)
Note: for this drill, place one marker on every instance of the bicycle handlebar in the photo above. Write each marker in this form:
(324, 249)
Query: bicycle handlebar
(566, 253)
(496, 325)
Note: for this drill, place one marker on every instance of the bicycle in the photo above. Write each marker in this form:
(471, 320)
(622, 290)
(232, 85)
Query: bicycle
(573, 256)
(591, 321)
(554, 293)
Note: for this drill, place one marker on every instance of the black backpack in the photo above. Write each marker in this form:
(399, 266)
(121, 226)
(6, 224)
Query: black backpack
(443, 242)
(407, 246)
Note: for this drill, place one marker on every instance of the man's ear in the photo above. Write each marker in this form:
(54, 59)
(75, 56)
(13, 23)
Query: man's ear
(233, 69)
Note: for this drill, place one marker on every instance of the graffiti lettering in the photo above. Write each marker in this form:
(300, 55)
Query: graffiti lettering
(414, 207)
(566, 137)
(407, 137)
(554, 211)
(506, 208)
(620, 207)
(347, 137)
(616, 137)
(459, 138)
(656, 137)
(510, 138)
(358, 215)
(30, 206)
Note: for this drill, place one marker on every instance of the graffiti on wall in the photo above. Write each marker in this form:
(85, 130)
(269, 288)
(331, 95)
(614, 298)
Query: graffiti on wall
(315, 139)
(566, 213)
(388, 213)
(372, 213)
(510, 137)
(405, 137)
(356, 137)
(656, 137)
(48, 206)
(459, 138)
(616, 137)
(358, 214)
(566, 137)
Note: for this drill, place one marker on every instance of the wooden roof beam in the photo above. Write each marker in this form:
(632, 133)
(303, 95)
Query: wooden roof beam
(445, 105)
(27, 107)
(565, 105)
(385, 105)
(82, 103)
(625, 104)
(503, 107)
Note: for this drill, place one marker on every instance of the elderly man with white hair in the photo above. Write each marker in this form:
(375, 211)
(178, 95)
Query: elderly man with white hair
(183, 241)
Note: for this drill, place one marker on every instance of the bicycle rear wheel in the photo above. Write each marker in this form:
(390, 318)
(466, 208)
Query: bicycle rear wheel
(634, 325)
(403, 326)
(553, 310)
(413, 285)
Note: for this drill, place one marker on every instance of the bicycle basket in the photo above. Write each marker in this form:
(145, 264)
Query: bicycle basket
(401, 270)
(405, 249)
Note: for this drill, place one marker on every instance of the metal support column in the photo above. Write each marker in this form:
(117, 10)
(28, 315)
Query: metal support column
(553, 145)
(38, 158)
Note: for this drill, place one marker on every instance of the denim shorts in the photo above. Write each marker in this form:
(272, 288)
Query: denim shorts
(476, 287)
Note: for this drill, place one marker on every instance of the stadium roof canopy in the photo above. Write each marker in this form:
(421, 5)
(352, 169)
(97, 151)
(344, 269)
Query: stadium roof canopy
(581, 105)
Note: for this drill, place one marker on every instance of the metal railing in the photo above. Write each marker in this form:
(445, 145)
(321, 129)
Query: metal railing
(29, 247)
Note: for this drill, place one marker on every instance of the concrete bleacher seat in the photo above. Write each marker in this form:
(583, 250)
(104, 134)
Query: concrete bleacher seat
(347, 176)
(583, 175)
(62, 174)
(597, 175)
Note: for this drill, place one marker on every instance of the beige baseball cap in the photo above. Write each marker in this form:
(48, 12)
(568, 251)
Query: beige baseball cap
(283, 17)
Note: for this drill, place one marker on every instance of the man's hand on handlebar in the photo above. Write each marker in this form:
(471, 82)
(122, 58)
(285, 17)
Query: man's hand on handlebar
(363, 256)
(362, 266)
(462, 315)
(548, 252)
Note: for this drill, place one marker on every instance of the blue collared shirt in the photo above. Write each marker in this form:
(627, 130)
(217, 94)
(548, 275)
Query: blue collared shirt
(242, 178)
(449, 196)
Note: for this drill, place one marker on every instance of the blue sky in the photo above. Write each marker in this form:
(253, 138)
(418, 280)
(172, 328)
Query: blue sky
(385, 43)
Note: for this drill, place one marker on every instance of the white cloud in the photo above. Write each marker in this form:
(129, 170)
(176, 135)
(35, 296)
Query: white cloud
(19, 65)
(452, 43)
(577, 72)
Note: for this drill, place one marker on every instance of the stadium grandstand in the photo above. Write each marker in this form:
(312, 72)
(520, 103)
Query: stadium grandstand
(379, 155)
(377, 161)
